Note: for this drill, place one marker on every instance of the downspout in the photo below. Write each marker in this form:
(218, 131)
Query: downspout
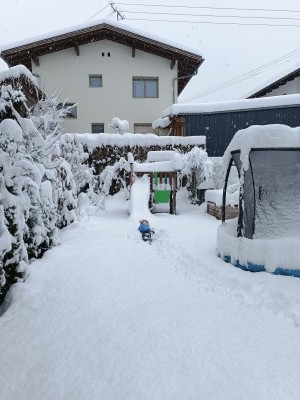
(182, 77)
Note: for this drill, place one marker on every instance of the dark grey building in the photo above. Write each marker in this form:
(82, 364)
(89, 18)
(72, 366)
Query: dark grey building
(220, 121)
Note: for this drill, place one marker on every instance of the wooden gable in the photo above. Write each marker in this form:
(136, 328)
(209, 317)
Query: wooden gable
(187, 62)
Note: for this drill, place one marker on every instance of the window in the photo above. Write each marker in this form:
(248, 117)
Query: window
(95, 80)
(145, 87)
(71, 109)
(143, 128)
(97, 128)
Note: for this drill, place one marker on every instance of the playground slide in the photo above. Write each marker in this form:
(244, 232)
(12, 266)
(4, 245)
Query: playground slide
(139, 199)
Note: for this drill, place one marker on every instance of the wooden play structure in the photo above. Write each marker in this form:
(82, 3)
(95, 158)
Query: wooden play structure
(163, 188)
(162, 167)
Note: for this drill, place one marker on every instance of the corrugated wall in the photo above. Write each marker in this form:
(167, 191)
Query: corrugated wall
(219, 128)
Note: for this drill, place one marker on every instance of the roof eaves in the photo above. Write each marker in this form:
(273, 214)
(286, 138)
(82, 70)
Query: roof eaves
(274, 85)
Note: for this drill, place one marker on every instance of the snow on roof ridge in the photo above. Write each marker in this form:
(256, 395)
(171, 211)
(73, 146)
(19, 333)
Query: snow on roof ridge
(116, 24)
(231, 105)
(16, 72)
(275, 78)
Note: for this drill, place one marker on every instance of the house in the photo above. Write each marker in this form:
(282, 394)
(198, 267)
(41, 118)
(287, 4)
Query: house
(221, 120)
(287, 82)
(20, 78)
(107, 70)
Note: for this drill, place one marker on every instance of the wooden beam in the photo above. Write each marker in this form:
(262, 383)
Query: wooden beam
(35, 59)
(76, 48)
(133, 52)
(173, 62)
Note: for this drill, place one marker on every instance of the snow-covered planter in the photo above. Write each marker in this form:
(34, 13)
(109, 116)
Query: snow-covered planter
(214, 199)
(266, 235)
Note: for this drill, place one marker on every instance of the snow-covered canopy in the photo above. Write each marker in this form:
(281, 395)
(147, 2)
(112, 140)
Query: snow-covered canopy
(244, 104)
(257, 136)
(159, 166)
(166, 155)
(158, 161)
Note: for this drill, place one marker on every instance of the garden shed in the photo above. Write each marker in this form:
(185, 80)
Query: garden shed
(266, 234)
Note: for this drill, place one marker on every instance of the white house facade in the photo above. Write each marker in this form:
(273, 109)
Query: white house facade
(105, 71)
(292, 87)
(285, 83)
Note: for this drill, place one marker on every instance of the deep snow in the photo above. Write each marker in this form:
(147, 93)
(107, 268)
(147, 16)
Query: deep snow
(107, 316)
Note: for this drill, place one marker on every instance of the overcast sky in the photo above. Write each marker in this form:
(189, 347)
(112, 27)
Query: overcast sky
(229, 50)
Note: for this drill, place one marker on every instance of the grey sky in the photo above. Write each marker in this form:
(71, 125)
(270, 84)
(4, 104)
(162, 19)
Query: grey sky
(229, 50)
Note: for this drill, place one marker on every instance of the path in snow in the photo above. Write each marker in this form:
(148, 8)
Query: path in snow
(107, 316)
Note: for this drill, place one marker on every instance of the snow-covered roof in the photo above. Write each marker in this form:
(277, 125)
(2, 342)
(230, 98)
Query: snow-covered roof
(280, 79)
(16, 73)
(158, 161)
(262, 136)
(158, 166)
(166, 155)
(161, 123)
(233, 105)
(96, 23)
(24, 51)
(93, 141)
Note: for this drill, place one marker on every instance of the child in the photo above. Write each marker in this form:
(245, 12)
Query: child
(145, 230)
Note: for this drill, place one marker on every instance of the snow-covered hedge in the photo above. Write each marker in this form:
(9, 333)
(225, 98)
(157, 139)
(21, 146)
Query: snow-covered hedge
(37, 190)
(93, 156)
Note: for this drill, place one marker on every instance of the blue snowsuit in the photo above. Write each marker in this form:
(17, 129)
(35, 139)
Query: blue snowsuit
(144, 228)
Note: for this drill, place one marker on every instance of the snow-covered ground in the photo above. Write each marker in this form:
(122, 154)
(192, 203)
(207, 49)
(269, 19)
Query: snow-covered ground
(106, 316)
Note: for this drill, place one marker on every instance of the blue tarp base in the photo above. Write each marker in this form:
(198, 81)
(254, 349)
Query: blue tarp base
(261, 268)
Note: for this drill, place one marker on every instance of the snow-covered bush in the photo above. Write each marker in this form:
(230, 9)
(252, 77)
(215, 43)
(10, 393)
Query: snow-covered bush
(25, 221)
(87, 183)
(37, 190)
(197, 168)
(8, 97)
(119, 126)
(113, 175)
(65, 195)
